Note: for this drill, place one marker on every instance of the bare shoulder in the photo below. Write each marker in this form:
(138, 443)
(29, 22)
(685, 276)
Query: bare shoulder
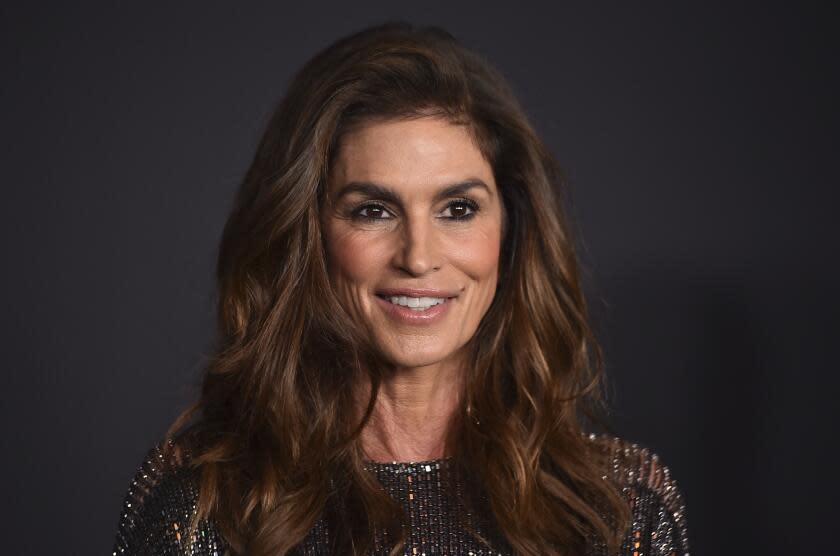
(160, 504)
(656, 502)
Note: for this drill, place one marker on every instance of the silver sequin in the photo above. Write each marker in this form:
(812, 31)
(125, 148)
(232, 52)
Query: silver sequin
(162, 498)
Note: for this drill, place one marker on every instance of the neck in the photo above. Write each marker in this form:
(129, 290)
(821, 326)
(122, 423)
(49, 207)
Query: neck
(412, 414)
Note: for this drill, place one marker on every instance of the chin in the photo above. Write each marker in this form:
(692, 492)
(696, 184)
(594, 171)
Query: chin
(416, 357)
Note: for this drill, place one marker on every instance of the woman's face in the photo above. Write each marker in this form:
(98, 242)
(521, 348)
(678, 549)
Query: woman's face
(413, 231)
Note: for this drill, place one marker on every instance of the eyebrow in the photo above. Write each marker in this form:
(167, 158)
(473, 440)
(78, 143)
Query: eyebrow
(371, 189)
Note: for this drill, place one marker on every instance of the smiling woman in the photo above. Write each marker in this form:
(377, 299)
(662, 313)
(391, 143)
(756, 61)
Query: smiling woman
(404, 360)
(417, 262)
(419, 240)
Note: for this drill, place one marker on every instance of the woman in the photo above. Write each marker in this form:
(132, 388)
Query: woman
(404, 363)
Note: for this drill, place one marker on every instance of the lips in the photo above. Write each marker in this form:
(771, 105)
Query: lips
(416, 292)
(402, 315)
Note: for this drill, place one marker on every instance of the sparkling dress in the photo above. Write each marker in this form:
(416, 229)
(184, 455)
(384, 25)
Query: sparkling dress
(162, 498)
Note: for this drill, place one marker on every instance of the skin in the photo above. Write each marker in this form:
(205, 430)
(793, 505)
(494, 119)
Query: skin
(413, 241)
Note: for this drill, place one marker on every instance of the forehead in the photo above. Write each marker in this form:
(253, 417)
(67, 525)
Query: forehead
(409, 154)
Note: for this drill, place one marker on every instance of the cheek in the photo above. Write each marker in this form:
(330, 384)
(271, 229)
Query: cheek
(352, 258)
(478, 257)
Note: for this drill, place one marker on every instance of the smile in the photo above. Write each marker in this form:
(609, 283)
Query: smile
(405, 309)
(417, 303)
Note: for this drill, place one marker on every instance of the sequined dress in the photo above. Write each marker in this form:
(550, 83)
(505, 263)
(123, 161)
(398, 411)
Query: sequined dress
(161, 500)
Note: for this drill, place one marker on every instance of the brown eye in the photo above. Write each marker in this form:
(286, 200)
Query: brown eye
(371, 211)
(462, 209)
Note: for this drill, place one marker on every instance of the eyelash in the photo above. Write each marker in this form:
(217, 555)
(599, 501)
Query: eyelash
(472, 205)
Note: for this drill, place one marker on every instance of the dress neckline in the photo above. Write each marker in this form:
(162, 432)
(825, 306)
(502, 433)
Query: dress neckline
(399, 467)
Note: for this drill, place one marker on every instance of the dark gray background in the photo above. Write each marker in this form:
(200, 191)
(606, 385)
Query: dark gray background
(697, 144)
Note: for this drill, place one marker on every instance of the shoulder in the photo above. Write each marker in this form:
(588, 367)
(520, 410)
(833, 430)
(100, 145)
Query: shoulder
(160, 504)
(636, 467)
(656, 502)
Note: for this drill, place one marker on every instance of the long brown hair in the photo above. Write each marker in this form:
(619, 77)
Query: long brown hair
(276, 433)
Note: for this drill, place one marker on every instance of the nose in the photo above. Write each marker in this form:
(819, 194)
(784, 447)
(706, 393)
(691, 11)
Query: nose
(417, 252)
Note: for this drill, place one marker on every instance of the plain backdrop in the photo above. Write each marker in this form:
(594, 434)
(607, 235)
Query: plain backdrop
(699, 144)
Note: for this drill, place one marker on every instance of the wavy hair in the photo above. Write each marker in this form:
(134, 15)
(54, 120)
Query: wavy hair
(275, 434)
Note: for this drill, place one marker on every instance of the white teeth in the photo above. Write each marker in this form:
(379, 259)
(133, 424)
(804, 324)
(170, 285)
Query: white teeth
(417, 303)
